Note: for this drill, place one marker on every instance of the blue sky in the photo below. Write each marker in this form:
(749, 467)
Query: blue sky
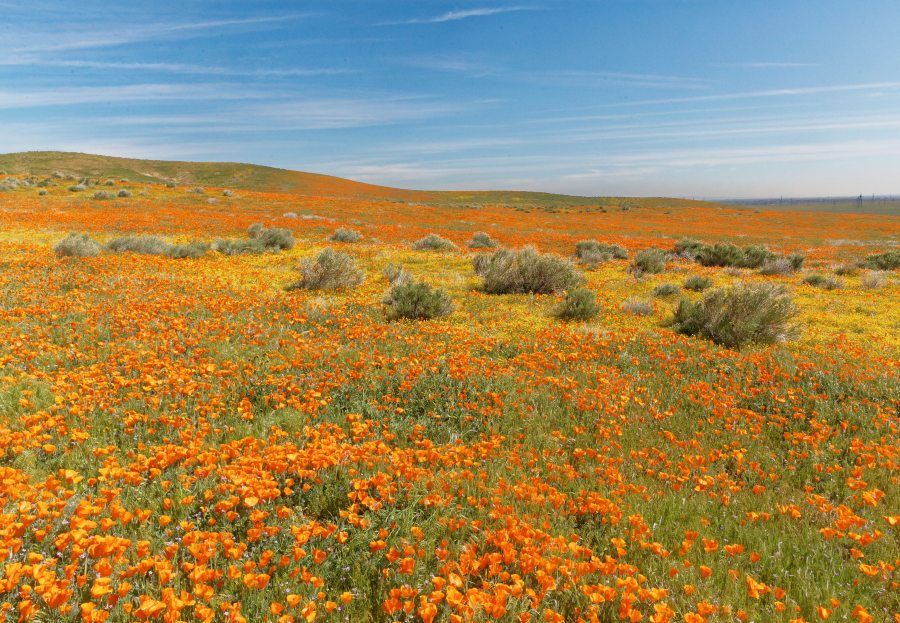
(696, 98)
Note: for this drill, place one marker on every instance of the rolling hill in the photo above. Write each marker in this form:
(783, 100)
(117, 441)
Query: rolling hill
(270, 179)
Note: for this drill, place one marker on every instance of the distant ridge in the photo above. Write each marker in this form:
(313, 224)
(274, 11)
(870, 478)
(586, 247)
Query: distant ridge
(270, 179)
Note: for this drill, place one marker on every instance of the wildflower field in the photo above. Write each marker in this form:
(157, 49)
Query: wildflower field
(194, 439)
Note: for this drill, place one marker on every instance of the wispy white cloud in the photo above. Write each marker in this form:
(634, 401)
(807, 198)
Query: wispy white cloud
(178, 68)
(454, 16)
(576, 77)
(117, 94)
(767, 93)
(765, 65)
(452, 64)
(84, 38)
(240, 110)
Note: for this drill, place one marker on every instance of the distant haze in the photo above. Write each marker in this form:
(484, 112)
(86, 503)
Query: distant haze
(700, 98)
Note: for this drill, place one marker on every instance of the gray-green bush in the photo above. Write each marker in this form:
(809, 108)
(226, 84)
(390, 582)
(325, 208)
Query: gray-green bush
(148, 245)
(343, 234)
(649, 261)
(526, 270)
(759, 313)
(396, 274)
(666, 289)
(190, 250)
(482, 240)
(417, 301)
(232, 246)
(636, 306)
(778, 266)
(579, 304)
(688, 248)
(433, 242)
(697, 283)
(329, 270)
(77, 245)
(889, 260)
(591, 252)
(277, 238)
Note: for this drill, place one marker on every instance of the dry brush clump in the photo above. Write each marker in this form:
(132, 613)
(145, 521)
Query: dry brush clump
(482, 240)
(397, 274)
(649, 261)
(416, 300)
(821, 281)
(344, 234)
(329, 270)
(874, 279)
(579, 304)
(637, 306)
(231, 246)
(742, 314)
(666, 289)
(433, 242)
(728, 255)
(77, 245)
(154, 245)
(889, 260)
(526, 271)
(697, 283)
(147, 245)
(592, 253)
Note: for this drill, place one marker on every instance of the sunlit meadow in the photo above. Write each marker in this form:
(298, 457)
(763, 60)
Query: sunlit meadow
(195, 440)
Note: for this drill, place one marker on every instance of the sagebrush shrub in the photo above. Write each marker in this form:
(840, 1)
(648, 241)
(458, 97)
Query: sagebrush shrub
(814, 280)
(343, 234)
(330, 270)
(124, 193)
(592, 252)
(77, 245)
(756, 256)
(277, 238)
(77, 188)
(821, 281)
(579, 304)
(688, 248)
(482, 240)
(417, 301)
(396, 274)
(638, 307)
(874, 279)
(190, 250)
(649, 261)
(526, 270)
(433, 242)
(250, 246)
(103, 195)
(697, 283)
(666, 289)
(721, 254)
(255, 230)
(778, 266)
(148, 245)
(846, 270)
(889, 260)
(481, 262)
(745, 313)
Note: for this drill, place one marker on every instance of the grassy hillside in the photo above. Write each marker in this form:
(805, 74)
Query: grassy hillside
(262, 178)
